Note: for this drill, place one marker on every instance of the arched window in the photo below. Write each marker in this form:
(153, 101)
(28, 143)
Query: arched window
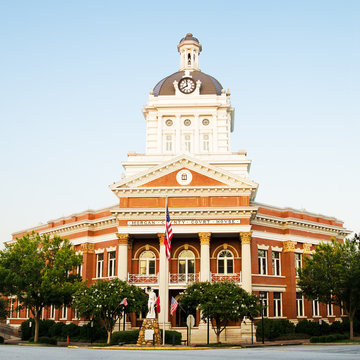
(225, 262)
(147, 263)
(186, 261)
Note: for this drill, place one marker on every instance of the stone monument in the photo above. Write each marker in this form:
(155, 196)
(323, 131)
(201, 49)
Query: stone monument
(149, 333)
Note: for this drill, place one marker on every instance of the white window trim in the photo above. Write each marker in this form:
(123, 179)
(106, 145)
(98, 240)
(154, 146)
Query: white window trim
(332, 310)
(263, 268)
(315, 308)
(99, 251)
(281, 307)
(98, 275)
(110, 261)
(225, 263)
(279, 262)
(276, 248)
(64, 311)
(147, 264)
(302, 307)
(263, 247)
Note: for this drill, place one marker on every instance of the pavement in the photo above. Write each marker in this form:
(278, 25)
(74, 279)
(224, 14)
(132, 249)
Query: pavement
(75, 345)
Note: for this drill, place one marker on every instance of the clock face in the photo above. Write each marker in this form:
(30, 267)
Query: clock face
(187, 85)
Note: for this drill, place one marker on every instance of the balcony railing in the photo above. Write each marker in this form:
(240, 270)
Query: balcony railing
(183, 278)
(236, 277)
(143, 279)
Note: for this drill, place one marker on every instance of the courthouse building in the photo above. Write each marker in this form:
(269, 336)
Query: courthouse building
(220, 231)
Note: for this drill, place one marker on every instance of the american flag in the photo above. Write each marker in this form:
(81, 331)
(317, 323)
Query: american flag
(174, 305)
(124, 302)
(168, 234)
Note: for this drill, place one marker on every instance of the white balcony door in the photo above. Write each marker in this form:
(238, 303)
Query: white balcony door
(186, 266)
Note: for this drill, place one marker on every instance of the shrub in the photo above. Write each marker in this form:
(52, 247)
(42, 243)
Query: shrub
(47, 340)
(169, 337)
(274, 328)
(70, 330)
(26, 330)
(1, 340)
(346, 325)
(56, 329)
(126, 337)
(336, 327)
(95, 333)
(328, 338)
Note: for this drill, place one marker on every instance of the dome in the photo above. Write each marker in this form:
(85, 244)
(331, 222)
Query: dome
(209, 85)
(189, 36)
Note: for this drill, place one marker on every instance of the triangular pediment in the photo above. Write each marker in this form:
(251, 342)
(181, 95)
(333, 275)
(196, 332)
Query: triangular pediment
(172, 174)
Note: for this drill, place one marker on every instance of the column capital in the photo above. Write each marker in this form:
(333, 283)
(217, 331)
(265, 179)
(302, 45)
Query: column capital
(88, 248)
(123, 239)
(307, 248)
(161, 237)
(246, 237)
(204, 237)
(289, 246)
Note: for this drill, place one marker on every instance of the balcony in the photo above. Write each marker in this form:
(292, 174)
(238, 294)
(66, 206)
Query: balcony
(139, 279)
(183, 279)
(236, 277)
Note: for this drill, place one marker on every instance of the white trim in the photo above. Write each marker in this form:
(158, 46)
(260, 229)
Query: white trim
(111, 249)
(99, 251)
(276, 249)
(263, 247)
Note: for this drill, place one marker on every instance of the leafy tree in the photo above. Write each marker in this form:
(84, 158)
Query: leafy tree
(220, 301)
(332, 275)
(102, 300)
(4, 311)
(39, 272)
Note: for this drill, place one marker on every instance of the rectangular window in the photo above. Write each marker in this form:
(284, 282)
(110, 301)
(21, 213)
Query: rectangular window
(99, 265)
(52, 312)
(79, 270)
(330, 310)
(64, 312)
(112, 263)
(298, 262)
(205, 143)
(277, 304)
(168, 143)
(221, 266)
(264, 302)
(187, 143)
(299, 304)
(315, 308)
(276, 263)
(262, 261)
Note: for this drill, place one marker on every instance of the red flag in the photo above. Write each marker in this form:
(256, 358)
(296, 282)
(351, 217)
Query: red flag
(158, 305)
(174, 305)
(168, 234)
(124, 302)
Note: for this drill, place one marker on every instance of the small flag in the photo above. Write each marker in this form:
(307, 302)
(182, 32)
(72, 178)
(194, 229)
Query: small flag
(124, 302)
(157, 302)
(168, 234)
(174, 305)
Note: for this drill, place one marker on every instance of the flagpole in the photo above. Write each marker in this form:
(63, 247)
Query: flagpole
(166, 276)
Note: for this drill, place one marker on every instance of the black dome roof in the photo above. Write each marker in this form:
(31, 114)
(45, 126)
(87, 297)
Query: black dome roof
(209, 85)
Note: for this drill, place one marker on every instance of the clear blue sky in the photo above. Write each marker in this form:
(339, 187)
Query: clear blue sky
(74, 76)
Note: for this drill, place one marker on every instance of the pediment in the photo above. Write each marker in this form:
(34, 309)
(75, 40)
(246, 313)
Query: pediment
(167, 175)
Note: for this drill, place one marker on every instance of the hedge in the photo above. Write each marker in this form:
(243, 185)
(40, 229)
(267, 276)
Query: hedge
(274, 328)
(328, 338)
(47, 340)
(131, 337)
(312, 328)
(1, 340)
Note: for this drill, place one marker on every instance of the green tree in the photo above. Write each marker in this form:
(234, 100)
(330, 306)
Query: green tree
(102, 300)
(332, 275)
(39, 272)
(220, 301)
(4, 311)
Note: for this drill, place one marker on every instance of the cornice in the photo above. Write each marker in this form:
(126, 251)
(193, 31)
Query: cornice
(298, 224)
(181, 213)
(184, 191)
(83, 225)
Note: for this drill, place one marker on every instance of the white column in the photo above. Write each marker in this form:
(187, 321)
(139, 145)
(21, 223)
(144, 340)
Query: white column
(163, 284)
(123, 256)
(246, 261)
(204, 256)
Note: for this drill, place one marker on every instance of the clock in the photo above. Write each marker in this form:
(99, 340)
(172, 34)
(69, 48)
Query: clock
(187, 85)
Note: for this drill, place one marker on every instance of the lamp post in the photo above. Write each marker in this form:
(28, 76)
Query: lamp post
(262, 297)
